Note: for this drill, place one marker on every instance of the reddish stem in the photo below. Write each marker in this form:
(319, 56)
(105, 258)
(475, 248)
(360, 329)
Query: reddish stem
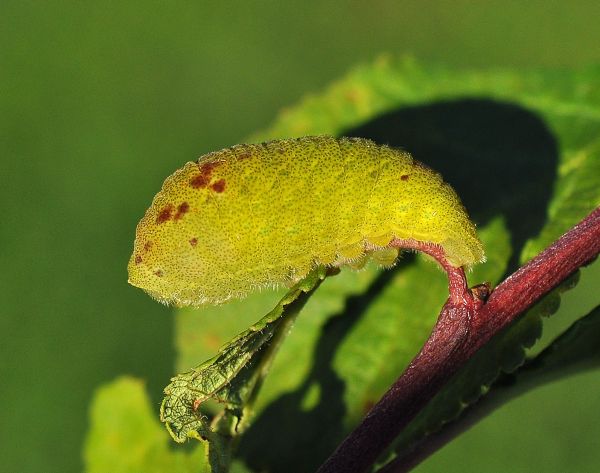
(457, 282)
(464, 325)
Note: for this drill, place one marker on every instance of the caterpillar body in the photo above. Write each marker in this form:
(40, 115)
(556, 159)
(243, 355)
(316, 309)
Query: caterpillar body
(262, 215)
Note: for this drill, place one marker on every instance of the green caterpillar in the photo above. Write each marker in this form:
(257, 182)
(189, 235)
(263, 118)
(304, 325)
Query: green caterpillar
(262, 215)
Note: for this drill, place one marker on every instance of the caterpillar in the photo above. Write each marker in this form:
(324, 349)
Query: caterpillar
(262, 215)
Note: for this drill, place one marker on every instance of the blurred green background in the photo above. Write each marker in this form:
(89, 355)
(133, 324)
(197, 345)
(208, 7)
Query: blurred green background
(99, 101)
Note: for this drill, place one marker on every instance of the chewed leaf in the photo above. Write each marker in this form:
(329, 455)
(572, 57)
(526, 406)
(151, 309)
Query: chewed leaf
(264, 215)
(233, 376)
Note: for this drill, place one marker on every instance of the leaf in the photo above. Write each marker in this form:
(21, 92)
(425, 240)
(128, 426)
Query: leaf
(574, 351)
(511, 143)
(232, 378)
(126, 437)
(577, 349)
(576, 192)
(505, 353)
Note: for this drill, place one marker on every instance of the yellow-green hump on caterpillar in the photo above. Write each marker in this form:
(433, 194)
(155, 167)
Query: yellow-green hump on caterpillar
(263, 215)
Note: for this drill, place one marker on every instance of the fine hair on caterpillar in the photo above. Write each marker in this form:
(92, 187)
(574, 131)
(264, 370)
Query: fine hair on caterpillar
(262, 215)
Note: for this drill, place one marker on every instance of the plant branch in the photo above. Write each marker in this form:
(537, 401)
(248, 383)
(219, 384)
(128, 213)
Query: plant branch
(465, 324)
(542, 369)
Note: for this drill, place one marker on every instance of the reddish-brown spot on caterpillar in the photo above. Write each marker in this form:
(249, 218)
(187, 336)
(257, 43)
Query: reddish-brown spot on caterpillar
(207, 168)
(404, 177)
(164, 214)
(182, 210)
(218, 186)
(159, 273)
(194, 241)
(147, 246)
(138, 259)
(201, 180)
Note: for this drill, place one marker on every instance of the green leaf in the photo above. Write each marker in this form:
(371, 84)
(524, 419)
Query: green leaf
(575, 194)
(126, 437)
(574, 351)
(577, 349)
(505, 353)
(232, 378)
(519, 148)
